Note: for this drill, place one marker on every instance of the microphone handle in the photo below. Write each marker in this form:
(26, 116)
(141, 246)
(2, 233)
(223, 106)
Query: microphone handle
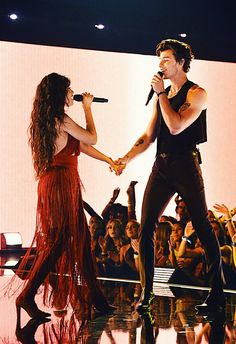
(100, 100)
(79, 98)
(150, 95)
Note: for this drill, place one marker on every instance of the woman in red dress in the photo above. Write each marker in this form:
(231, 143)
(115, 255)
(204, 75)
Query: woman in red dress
(63, 260)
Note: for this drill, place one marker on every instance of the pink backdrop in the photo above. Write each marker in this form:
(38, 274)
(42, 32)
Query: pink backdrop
(125, 80)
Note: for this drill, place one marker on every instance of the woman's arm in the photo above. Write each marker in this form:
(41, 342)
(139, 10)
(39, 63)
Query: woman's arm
(96, 154)
(88, 135)
(144, 141)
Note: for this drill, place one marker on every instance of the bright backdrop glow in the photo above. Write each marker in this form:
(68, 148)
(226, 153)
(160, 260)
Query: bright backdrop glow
(125, 80)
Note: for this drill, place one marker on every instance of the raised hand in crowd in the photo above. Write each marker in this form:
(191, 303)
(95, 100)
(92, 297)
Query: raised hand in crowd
(188, 230)
(223, 209)
(116, 193)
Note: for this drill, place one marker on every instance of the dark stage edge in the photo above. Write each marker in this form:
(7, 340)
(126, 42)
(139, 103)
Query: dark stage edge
(172, 318)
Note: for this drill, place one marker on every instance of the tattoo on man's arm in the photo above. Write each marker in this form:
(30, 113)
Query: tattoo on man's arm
(139, 142)
(184, 107)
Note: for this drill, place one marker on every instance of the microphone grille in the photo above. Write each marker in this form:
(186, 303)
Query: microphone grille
(78, 97)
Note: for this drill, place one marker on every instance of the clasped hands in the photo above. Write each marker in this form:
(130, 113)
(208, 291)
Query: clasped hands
(118, 165)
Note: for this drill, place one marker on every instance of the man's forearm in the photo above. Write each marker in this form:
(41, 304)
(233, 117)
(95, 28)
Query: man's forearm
(140, 146)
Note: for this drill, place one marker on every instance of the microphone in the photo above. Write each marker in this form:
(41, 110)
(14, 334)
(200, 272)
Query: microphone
(152, 90)
(79, 98)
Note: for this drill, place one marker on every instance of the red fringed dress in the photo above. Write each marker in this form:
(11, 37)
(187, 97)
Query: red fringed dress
(62, 237)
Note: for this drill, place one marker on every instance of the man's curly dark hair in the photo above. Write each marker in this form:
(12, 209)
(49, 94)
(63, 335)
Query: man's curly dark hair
(181, 51)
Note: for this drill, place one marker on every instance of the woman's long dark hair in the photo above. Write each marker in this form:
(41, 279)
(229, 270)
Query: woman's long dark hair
(48, 106)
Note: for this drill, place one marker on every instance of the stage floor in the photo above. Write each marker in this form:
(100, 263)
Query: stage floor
(172, 319)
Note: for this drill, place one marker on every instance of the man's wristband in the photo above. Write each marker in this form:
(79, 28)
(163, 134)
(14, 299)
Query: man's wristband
(185, 238)
(162, 92)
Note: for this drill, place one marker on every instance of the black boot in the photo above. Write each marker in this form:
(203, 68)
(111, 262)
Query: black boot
(215, 301)
(147, 330)
(145, 301)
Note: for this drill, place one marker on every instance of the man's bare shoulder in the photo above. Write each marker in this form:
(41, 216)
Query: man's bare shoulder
(196, 89)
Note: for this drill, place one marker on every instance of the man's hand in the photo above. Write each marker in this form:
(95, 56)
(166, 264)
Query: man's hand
(121, 163)
(157, 83)
(114, 166)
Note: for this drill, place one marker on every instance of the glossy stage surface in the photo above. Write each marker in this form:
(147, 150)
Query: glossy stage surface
(172, 319)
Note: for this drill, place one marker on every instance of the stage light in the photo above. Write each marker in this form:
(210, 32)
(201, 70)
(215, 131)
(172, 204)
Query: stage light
(99, 26)
(183, 35)
(13, 16)
(10, 240)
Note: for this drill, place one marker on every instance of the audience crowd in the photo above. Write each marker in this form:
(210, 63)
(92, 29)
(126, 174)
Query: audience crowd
(114, 241)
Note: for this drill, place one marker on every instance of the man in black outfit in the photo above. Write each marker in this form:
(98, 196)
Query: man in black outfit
(178, 123)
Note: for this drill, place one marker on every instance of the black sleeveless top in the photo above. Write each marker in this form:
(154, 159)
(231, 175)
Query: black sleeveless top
(187, 139)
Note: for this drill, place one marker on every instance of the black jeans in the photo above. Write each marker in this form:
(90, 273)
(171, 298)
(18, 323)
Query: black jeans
(182, 174)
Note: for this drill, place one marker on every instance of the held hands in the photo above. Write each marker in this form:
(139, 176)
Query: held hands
(118, 165)
(121, 162)
(115, 167)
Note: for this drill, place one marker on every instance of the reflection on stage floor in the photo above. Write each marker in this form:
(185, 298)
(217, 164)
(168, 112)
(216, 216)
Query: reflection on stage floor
(172, 318)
